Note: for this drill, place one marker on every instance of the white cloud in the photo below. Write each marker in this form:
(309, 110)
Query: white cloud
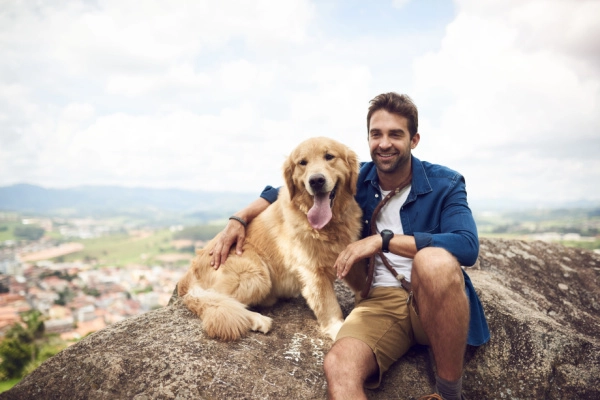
(176, 77)
(213, 95)
(179, 149)
(510, 108)
(126, 35)
(243, 76)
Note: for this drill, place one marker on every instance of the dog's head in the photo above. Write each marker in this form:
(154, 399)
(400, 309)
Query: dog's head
(317, 172)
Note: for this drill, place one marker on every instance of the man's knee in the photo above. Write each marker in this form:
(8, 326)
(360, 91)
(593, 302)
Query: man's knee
(349, 358)
(336, 361)
(330, 361)
(434, 256)
(437, 269)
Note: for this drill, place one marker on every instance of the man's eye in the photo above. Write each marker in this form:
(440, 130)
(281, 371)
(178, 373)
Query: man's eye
(303, 162)
(329, 157)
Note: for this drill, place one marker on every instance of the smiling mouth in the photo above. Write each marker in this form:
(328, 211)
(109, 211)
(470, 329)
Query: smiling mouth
(386, 155)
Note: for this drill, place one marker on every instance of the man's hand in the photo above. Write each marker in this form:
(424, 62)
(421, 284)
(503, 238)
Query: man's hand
(402, 245)
(356, 251)
(234, 233)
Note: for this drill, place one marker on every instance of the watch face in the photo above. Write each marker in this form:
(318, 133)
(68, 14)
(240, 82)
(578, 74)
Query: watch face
(386, 236)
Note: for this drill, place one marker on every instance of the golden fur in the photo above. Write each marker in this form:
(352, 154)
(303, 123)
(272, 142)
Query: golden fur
(283, 255)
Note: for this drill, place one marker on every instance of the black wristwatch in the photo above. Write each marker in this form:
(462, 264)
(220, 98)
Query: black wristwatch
(386, 236)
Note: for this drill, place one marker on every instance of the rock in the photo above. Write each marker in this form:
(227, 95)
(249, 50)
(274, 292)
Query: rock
(541, 300)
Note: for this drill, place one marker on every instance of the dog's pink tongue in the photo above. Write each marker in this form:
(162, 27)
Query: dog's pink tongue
(320, 213)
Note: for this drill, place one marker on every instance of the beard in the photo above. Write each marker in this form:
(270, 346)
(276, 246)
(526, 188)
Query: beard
(393, 164)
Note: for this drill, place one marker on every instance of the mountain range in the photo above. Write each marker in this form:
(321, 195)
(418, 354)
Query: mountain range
(115, 200)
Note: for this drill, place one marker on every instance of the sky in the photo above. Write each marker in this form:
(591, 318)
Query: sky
(213, 95)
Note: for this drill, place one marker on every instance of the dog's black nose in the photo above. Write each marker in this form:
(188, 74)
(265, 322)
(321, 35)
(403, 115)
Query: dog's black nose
(316, 181)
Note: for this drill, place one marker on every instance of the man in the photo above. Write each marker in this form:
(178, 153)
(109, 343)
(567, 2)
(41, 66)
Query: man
(424, 231)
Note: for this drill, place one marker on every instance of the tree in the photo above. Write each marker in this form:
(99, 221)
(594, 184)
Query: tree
(15, 356)
(21, 344)
(35, 324)
(64, 297)
(29, 232)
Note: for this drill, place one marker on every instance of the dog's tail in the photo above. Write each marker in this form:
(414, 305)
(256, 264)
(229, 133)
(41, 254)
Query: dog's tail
(223, 317)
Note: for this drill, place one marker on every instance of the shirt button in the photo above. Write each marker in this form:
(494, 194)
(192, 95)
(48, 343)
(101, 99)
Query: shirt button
(366, 221)
(376, 195)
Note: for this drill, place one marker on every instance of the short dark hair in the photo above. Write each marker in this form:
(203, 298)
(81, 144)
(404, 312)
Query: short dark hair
(395, 103)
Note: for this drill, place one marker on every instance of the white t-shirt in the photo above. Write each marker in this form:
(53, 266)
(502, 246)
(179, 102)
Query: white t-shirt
(389, 218)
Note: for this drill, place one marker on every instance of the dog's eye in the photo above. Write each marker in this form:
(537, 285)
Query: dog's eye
(303, 162)
(329, 157)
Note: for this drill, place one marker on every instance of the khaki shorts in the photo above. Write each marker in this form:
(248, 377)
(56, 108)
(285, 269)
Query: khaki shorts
(387, 324)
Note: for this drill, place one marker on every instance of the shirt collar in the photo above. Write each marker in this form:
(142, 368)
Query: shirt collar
(420, 182)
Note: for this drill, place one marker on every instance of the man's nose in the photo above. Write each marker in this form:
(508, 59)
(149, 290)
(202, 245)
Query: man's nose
(384, 143)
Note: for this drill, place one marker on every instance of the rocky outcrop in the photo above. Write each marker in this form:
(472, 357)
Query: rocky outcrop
(542, 302)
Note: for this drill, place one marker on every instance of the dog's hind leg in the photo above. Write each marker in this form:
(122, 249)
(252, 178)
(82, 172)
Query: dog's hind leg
(245, 278)
(184, 283)
(222, 316)
(222, 307)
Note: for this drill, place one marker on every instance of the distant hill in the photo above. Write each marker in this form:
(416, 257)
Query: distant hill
(105, 200)
(200, 205)
(512, 205)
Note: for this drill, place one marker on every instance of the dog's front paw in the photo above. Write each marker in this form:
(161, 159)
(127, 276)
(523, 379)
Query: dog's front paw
(261, 323)
(332, 329)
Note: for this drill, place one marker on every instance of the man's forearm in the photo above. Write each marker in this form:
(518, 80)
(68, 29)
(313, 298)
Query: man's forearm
(403, 245)
(253, 209)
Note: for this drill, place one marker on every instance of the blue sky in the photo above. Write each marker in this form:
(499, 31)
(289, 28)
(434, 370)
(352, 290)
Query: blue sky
(213, 95)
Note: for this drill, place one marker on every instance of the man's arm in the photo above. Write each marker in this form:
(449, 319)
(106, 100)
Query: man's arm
(457, 228)
(235, 232)
(402, 245)
(456, 233)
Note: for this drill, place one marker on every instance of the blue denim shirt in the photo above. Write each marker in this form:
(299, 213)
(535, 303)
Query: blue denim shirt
(437, 214)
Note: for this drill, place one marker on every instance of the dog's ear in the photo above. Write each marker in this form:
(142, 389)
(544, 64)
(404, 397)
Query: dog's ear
(353, 167)
(288, 176)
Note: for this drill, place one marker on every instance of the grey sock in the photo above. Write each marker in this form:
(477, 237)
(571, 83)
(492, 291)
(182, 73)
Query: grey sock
(449, 390)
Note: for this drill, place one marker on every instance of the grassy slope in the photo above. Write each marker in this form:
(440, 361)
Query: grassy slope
(5, 385)
(121, 249)
(8, 233)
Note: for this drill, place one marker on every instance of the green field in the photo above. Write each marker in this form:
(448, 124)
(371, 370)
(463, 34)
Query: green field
(5, 385)
(122, 249)
(6, 230)
(594, 245)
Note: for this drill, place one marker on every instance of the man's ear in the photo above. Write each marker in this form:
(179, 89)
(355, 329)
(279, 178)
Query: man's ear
(353, 166)
(288, 176)
(414, 142)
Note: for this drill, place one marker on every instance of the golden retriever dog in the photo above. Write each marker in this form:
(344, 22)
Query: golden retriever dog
(290, 248)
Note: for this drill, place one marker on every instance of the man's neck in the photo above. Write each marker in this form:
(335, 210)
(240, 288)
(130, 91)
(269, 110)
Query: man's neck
(390, 180)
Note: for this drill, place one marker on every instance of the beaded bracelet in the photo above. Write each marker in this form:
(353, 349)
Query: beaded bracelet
(238, 219)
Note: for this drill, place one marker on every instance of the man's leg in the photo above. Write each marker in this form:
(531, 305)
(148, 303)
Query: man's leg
(439, 290)
(347, 366)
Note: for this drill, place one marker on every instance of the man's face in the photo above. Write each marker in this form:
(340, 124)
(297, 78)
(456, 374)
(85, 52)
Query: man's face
(389, 141)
